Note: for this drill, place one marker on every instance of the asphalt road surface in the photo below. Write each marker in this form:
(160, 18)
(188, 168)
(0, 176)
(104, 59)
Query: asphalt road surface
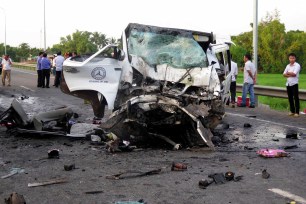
(88, 183)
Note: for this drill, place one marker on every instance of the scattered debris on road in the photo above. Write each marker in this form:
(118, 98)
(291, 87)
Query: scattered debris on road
(248, 148)
(229, 175)
(265, 174)
(69, 167)
(219, 178)
(272, 153)
(133, 174)
(238, 178)
(13, 172)
(15, 198)
(141, 201)
(53, 154)
(178, 167)
(49, 182)
(292, 135)
(247, 125)
(291, 147)
(17, 121)
(93, 192)
(251, 116)
(204, 183)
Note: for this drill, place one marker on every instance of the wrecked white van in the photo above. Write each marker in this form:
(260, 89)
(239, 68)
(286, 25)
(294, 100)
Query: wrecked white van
(165, 83)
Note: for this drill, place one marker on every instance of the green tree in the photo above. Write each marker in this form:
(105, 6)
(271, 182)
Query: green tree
(10, 51)
(78, 41)
(23, 52)
(271, 43)
(119, 42)
(99, 39)
(237, 54)
(295, 42)
(112, 40)
(244, 40)
(274, 44)
(56, 48)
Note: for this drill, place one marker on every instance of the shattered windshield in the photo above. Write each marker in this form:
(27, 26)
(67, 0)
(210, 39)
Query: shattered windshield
(175, 50)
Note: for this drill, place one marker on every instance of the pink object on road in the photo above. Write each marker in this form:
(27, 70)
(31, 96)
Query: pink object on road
(271, 153)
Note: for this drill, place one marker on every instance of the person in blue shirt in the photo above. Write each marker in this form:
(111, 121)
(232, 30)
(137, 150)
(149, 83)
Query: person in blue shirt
(39, 71)
(45, 67)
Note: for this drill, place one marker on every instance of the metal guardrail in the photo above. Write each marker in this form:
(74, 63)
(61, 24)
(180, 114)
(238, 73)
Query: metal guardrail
(24, 66)
(272, 91)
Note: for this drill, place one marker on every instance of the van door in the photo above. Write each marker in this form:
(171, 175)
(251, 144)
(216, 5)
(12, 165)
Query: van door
(101, 73)
(221, 57)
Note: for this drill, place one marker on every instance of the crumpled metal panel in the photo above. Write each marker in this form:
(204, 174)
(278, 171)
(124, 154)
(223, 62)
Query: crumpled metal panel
(172, 115)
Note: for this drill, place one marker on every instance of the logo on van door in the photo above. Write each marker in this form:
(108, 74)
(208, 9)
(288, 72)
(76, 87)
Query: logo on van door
(98, 73)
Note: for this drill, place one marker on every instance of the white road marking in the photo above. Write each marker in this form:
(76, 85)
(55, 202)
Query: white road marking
(32, 73)
(266, 121)
(27, 88)
(288, 195)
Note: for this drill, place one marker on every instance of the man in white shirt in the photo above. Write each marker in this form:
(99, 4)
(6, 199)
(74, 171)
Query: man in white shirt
(249, 76)
(292, 74)
(6, 69)
(59, 60)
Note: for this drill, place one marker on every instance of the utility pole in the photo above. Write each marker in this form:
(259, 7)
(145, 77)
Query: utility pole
(40, 39)
(255, 34)
(255, 41)
(45, 47)
(4, 30)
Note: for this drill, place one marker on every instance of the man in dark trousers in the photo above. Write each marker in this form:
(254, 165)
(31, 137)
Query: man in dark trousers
(233, 83)
(292, 74)
(59, 60)
(39, 71)
(45, 66)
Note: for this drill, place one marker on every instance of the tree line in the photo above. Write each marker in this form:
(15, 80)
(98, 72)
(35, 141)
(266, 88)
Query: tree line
(274, 45)
(82, 42)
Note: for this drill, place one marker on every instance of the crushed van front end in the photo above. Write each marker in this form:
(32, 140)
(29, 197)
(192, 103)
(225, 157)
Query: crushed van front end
(163, 85)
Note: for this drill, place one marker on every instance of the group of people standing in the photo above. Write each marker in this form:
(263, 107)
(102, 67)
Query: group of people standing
(291, 72)
(44, 66)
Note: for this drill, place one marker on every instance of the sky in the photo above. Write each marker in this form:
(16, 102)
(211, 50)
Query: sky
(25, 22)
